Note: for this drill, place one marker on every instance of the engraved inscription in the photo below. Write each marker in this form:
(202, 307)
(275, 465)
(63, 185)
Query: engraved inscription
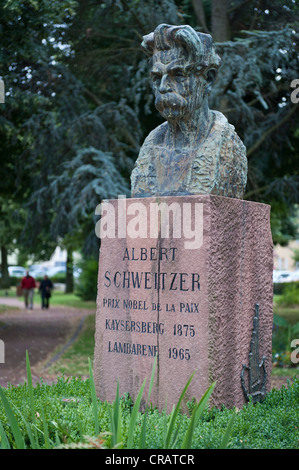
(159, 319)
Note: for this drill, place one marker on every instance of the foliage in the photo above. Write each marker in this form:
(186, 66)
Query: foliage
(70, 138)
(283, 334)
(87, 285)
(281, 287)
(67, 414)
(290, 295)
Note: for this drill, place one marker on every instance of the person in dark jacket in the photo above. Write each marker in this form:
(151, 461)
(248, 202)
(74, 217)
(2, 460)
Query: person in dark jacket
(45, 289)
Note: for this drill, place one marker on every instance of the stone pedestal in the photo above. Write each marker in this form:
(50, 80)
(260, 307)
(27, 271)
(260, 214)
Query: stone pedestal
(188, 298)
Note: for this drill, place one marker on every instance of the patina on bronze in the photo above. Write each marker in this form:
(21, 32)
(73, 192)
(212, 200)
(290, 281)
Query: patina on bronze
(196, 151)
(257, 375)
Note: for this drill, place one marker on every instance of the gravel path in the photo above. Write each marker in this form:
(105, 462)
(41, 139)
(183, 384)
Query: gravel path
(38, 331)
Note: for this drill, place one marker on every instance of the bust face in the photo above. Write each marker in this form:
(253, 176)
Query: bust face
(179, 89)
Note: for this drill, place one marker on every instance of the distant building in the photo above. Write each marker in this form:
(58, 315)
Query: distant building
(283, 256)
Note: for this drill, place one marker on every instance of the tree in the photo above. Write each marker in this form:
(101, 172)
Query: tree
(26, 66)
(91, 141)
(82, 103)
(259, 52)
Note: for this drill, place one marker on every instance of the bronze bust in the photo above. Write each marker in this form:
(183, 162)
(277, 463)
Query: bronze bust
(196, 151)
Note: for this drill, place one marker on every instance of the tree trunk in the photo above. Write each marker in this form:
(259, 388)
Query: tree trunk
(5, 281)
(220, 26)
(69, 280)
(220, 33)
(200, 14)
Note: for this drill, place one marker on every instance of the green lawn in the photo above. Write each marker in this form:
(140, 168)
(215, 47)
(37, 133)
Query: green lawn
(5, 308)
(285, 372)
(57, 298)
(291, 314)
(71, 300)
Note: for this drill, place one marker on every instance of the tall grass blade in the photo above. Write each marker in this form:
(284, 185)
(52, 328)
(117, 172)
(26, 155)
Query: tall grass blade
(30, 388)
(115, 420)
(118, 426)
(31, 396)
(175, 437)
(196, 415)
(152, 379)
(164, 412)
(13, 422)
(58, 441)
(45, 428)
(143, 429)
(228, 431)
(174, 414)
(63, 431)
(94, 400)
(33, 440)
(4, 440)
(134, 416)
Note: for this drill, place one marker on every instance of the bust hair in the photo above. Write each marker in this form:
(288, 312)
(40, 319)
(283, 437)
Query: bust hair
(198, 47)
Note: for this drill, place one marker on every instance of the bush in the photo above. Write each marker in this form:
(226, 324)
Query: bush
(289, 295)
(86, 287)
(283, 333)
(14, 281)
(280, 287)
(58, 278)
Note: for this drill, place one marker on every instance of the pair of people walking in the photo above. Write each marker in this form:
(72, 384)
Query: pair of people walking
(28, 285)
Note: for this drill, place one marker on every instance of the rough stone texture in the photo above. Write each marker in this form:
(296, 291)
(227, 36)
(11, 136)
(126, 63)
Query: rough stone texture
(234, 262)
(196, 151)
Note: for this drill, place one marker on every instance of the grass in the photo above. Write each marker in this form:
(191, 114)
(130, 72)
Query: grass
(71, 300)
(291, 314)
(7, 308)
(285, 372)
(68, 414)
(57, 298)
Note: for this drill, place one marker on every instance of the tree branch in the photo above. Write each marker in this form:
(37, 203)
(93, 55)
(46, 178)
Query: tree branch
(93, 97)
(254, 18)
(256, 191)
(127, 8)
(270, 130)
(254, 100)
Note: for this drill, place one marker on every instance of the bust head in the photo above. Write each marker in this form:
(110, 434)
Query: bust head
(184, 67)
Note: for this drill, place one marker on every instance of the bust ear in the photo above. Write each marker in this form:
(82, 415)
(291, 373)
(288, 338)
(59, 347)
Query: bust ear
(211, 77)
(148, 44)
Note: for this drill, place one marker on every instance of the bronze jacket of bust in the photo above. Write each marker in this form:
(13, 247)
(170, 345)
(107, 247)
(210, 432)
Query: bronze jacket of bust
(196, 151)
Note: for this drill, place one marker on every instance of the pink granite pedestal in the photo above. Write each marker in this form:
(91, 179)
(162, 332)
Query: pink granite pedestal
(192, 307)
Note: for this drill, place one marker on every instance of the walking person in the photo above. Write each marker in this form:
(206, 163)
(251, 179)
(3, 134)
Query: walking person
(27, 285)
(45, 289)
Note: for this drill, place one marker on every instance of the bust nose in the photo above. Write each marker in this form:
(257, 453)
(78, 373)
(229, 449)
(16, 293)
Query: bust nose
(165, 85)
